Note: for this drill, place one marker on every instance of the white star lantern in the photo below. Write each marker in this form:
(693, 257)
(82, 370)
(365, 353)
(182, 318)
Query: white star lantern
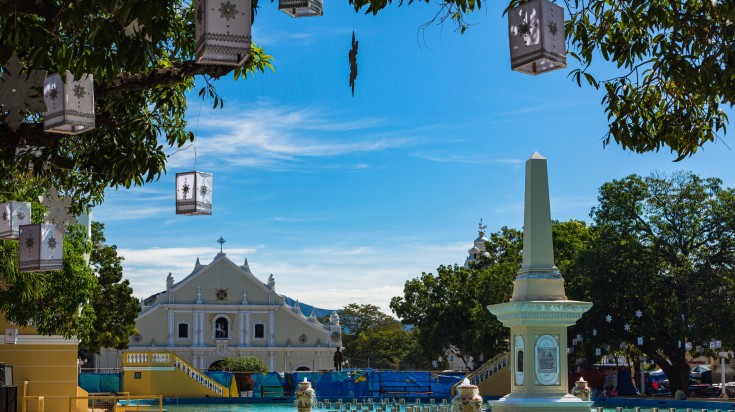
(70, 103)
(20, 92)
(12, 215)
(301, 8)
(627, 327)
(58, 209)
(536, 35)
(41, 247)
(608, 318)
(638, 314)
(223, 31)
(193, 193)
(594, 332)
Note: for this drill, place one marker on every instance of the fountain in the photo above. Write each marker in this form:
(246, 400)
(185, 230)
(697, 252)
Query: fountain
(538, 313)
(468, 398)
(305, 396)
(581, 390)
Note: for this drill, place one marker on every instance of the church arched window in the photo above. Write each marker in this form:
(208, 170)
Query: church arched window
(259, 331)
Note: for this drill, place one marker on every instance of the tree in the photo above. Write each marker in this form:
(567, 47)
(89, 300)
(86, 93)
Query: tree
(660, 269)
(242, 364)
(140, 83)
(356, 319)
(384, 348)
(374, 339)
(55, 302)
(114, 305)
(449, 309)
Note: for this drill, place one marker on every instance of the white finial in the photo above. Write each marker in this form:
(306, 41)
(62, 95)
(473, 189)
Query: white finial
(537, 155)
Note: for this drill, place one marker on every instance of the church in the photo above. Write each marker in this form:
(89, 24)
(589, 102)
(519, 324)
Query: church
(221, 310)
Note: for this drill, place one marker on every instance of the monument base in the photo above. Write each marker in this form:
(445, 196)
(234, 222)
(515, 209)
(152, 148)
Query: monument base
(565, 403)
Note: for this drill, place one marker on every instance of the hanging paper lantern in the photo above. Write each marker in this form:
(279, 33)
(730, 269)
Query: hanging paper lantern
(223, 31)
(69, 103)
(301, 8)
(640, 340)
(12, 215)
(536, 31)
(193, 193)
(41, 247)
(11, 336)
(598, 352)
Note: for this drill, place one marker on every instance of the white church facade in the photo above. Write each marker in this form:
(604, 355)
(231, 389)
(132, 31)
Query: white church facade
(222, 310)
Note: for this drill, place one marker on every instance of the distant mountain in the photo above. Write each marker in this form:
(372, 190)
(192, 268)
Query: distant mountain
(306, 308)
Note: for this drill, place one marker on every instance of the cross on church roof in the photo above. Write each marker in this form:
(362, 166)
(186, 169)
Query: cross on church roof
(221, 242)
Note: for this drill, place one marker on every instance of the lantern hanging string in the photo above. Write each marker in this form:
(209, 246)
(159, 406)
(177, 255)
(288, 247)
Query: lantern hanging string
(196, 132)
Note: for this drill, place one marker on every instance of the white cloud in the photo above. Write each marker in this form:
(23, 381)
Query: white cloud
(327, 277)
(120, 213)
(266, 137)
(477, 159)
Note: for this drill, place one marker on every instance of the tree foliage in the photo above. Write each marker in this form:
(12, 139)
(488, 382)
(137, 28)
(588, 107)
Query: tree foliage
(140, 83)
(242, 364)
(356, 319)
(99, 310)
(114, 305)
(660, 265)
(55, 302)
(374, 339)
(449, 309)
(383, 348)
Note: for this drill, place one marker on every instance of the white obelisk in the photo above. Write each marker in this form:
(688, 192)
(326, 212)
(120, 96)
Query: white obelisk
(539, 313)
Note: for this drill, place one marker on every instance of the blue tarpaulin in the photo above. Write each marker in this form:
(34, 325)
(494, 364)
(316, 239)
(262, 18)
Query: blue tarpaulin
(371, 383)
(100, 382)
(222, 377)
(268, 385)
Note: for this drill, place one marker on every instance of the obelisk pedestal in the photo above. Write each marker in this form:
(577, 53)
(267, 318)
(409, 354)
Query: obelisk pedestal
(538, 313)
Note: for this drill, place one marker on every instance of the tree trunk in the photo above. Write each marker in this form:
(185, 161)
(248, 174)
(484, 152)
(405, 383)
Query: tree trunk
(678, 374)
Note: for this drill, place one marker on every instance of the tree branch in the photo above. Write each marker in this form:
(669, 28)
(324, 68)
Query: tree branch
(32, 134)
(28, 134)
(128, 82)
(45, 8)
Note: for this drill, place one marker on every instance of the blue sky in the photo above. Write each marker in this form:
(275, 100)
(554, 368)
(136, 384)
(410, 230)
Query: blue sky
(345, 198)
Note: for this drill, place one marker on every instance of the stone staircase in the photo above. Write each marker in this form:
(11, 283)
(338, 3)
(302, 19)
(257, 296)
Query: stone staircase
(167, 360)
(491, 371)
